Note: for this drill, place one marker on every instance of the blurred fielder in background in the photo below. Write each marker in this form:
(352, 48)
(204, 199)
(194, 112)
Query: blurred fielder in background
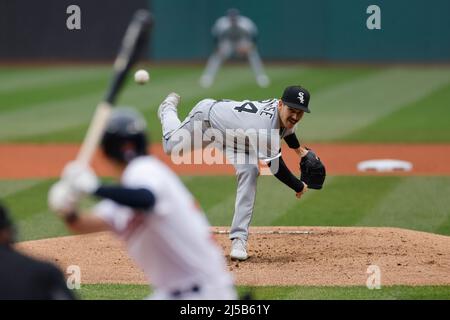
(234, 35)
(151, 210)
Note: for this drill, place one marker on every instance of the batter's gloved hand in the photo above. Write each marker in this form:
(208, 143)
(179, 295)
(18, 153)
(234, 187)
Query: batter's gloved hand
(81, 178)
(62, 199)
(312, 170)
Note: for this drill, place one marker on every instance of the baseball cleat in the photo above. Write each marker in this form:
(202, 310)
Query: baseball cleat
(239, 249)
(171, 101)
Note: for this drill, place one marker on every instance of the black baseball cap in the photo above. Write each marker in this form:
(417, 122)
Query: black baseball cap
(296, 97)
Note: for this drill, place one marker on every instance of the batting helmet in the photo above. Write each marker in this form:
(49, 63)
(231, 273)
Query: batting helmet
(125, 135)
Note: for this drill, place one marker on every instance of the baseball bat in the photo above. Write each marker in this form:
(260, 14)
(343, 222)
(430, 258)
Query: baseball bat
(132, 44)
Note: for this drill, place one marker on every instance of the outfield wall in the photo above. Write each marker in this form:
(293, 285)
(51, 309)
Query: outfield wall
(38, 29)
(308, 30)
(331, 30)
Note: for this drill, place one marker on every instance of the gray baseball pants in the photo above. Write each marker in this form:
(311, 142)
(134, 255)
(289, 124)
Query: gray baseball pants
(246, 173)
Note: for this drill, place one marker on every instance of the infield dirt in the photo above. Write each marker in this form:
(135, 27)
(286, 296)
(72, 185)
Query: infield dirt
(20, 161)
(324, 256)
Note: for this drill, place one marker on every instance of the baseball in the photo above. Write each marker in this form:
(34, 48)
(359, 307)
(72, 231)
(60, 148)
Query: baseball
(141, 76)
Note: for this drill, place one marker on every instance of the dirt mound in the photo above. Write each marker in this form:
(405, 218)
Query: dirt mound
(279, 256)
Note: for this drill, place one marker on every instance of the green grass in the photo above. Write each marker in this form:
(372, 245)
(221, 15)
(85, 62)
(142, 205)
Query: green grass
(112, 292)
(425, 120)
(363, 104)
(419, 203)
(125, 292)
(349, 104)
(339, 112)
(28, 208)
(345, 201)
(27, 204)
(61, 89)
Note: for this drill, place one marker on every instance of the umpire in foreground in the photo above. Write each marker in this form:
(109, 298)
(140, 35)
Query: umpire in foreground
(22, 277)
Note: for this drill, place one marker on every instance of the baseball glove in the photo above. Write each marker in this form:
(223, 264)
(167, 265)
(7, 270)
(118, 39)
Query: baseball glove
(312, 170)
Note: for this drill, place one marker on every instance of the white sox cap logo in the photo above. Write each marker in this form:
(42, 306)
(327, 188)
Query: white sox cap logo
(301, 97)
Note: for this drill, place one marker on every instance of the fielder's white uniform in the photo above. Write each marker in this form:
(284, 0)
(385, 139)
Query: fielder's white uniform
(172, 243)
(227, 114)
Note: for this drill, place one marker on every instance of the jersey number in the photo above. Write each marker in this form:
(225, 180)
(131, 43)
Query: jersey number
(247, 107)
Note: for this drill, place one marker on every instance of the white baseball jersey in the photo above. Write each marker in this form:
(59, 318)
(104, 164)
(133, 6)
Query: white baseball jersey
(259, 116)
(244, 29)
(172, 243)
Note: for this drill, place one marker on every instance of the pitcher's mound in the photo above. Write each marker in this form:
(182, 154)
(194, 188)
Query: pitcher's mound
(279, 256)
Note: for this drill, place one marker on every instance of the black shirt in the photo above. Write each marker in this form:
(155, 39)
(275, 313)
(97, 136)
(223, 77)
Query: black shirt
(25, 278)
